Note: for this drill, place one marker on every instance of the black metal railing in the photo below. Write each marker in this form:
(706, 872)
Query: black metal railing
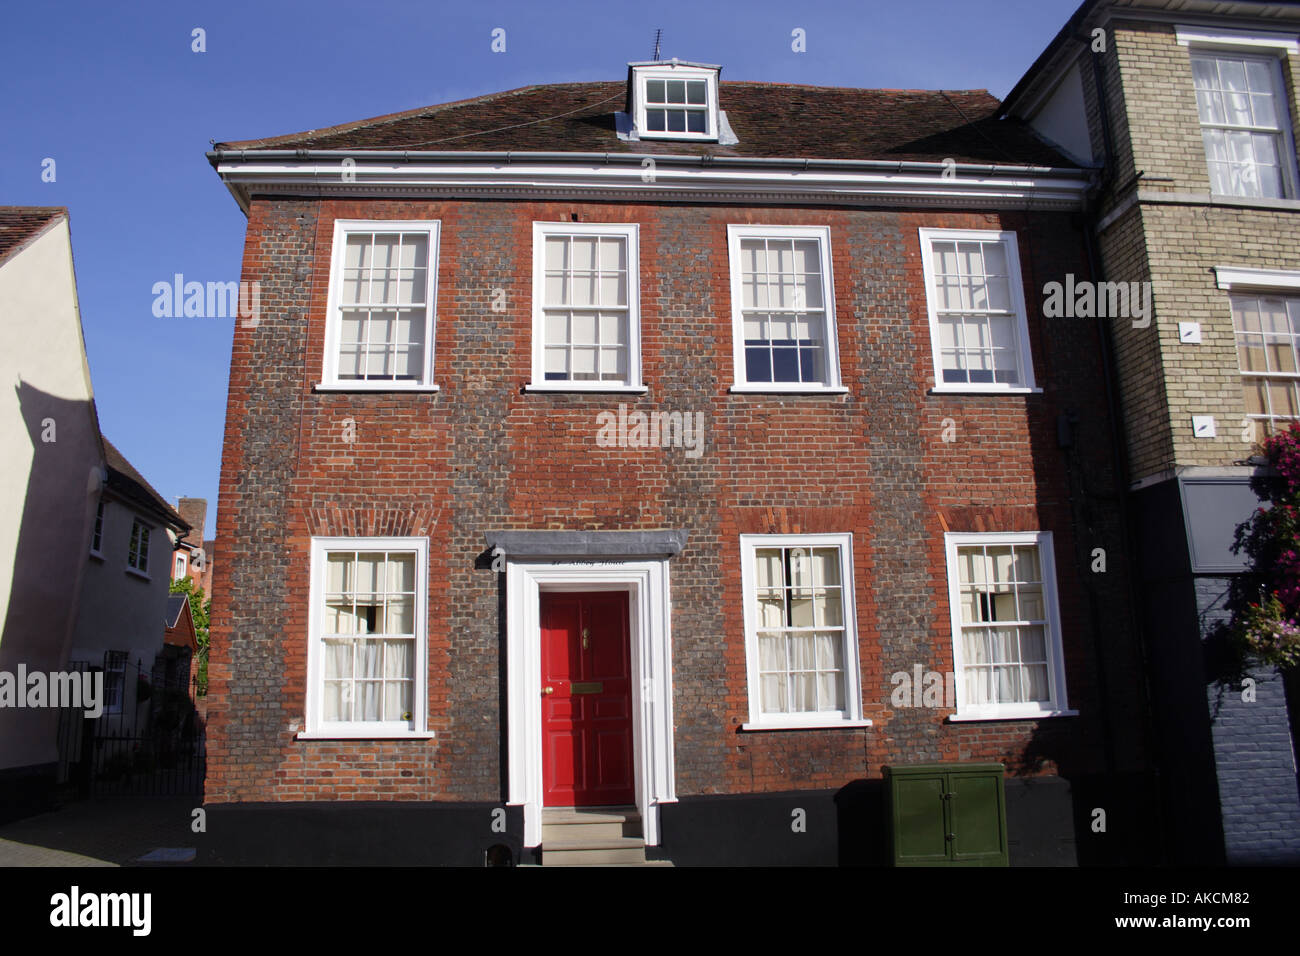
(149, 740)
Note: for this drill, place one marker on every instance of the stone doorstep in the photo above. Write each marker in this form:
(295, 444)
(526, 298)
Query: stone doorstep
(604, 836)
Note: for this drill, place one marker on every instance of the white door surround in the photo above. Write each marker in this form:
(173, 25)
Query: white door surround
(631, 561)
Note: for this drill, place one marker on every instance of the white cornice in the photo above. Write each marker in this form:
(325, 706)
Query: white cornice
(1026, 188)
(1243, 277)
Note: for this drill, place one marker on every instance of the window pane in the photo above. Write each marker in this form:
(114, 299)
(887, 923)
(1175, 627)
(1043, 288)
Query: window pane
(583, 250)
(583, 326)
(613, 328)
(767, 567)
(556, 325)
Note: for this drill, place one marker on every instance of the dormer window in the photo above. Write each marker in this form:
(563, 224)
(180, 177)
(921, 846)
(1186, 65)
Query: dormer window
(673, 100)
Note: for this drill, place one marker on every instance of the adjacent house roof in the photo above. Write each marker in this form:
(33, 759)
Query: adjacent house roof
(771, 120)
(131, 485)
(179, 623)
(19, 225)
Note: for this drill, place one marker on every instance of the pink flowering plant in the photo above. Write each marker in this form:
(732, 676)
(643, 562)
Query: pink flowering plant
(1269, 625)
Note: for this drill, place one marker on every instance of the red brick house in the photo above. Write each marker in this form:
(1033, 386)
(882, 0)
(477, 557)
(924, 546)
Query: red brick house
(641, 444)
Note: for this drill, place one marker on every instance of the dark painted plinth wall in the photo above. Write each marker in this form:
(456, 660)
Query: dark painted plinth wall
(399, 833)
(1049, 823)
(1253, 752)
(1228, 768)
(26, 790)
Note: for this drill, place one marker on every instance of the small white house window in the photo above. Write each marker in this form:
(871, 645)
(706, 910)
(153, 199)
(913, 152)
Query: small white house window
(675, 100)
(182, 566)
(586, 315)
(783, 309)
(1006, 626)
(114, 681)
(137, 553)
(800, 638)
(1244, 123)
(979, 330)
(97, 537)
(383, 285)
(367, 640)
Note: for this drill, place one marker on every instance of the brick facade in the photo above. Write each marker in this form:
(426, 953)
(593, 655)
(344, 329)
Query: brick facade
(481, 454)
(1171, 232)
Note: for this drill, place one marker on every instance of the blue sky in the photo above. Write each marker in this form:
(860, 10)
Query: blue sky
(115, 96)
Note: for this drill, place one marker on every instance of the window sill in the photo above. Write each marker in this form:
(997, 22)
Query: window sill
(812, 725)
(139, 574)
(768, 389)
(97, 555)
(374, 387)
(581, 387)
(978, 390)
(1011, 714)
(364, 735)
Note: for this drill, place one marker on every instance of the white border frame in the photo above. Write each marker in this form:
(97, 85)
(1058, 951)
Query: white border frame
(1059, 704)
(852, 717)
(651, 656)
(630, 232)
(313, 726)
(333, 325)
(671, 71)
(822, 235)
(928, 236)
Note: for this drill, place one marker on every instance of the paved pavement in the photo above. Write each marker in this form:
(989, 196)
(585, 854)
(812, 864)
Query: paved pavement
(107, 832)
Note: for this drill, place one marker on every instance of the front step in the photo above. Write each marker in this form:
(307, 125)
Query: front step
(603, 836)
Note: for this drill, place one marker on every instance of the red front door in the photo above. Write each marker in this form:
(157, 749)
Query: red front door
(586, 699)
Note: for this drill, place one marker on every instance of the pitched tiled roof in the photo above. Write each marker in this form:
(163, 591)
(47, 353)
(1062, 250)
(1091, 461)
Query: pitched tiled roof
(176, 603)
(20, 224)
(773, 120)
(130, 484)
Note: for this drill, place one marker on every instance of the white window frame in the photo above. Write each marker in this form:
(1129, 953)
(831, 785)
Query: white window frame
(1058, 704)
(929, 236)
(630, 233)
(333, 323)
(1272, 49)
(182, 566)
(315, 727)
(668, 71)
(97, 532)
(141, 565)
(115, 664)
(1251, 282)
(736, 233)
(852, 715)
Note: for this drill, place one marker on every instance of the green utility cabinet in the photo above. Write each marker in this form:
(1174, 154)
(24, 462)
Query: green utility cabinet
(946, 814)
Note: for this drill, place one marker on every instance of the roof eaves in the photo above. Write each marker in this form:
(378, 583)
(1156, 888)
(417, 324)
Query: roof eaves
(44, 218)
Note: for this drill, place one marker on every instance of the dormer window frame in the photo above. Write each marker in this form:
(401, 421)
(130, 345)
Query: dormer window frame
(667, 71)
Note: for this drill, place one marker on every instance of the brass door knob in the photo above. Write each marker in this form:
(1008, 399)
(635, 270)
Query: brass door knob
(548, 690)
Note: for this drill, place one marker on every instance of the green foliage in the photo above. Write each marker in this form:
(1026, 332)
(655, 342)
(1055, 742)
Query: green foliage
(200, 610)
